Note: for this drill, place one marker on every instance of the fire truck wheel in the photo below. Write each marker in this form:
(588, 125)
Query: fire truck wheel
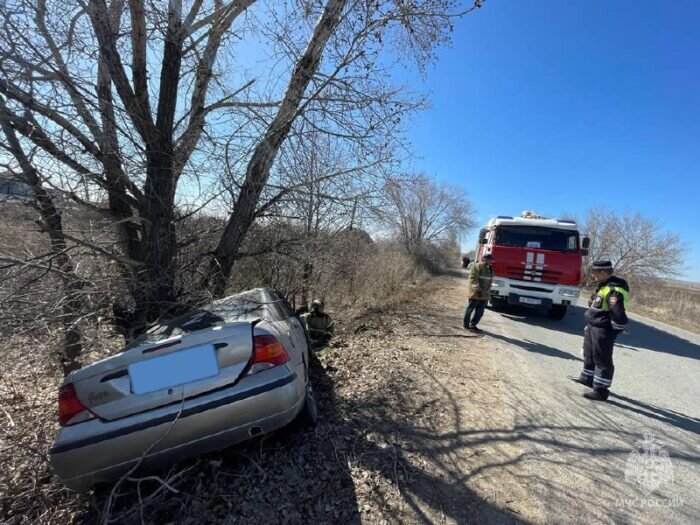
(558, 312)
(498, 305)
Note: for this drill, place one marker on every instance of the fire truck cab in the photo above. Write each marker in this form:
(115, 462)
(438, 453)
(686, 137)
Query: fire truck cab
(536, 261)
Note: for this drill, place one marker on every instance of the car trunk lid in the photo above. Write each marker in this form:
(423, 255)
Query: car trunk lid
(158, 373)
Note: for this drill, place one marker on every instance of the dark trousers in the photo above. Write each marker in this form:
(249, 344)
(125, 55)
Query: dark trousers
(598, 356)
(475, 307)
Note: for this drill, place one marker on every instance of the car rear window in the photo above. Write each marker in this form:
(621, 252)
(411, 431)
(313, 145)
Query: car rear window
(246, 306)
(241, 307)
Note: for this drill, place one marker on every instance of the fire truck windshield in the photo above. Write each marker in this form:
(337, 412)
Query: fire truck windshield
(537, 237)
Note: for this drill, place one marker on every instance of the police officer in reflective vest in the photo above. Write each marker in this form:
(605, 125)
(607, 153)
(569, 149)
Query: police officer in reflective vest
(606, 318)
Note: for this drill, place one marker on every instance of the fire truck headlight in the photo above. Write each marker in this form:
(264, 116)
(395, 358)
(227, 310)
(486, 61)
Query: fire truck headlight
(497, 283)
(569, 292)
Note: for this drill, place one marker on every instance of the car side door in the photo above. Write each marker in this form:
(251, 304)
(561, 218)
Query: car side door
(296, 325)
(295, 328)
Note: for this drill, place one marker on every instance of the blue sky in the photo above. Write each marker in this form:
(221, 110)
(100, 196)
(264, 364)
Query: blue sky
(562, 105)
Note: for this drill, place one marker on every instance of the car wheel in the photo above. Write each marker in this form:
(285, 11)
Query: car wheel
(309, 413)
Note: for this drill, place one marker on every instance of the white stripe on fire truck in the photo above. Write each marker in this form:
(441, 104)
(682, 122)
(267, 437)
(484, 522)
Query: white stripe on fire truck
(530, 257)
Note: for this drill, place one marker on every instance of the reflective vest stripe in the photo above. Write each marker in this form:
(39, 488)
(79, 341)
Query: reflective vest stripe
(605, 291)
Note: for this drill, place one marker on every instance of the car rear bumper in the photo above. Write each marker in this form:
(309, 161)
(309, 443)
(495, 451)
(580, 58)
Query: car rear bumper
(101, 451)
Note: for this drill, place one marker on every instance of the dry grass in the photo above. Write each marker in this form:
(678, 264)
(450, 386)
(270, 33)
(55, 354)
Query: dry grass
(384, 278)
(29, 380)
(671, 304)
(29, 492)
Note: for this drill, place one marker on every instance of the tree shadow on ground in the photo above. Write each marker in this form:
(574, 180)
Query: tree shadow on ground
(301, 475)
(386, 442)
(641, 336)
(666, 416)
(532, 346)
(377, 439)
(456, 458)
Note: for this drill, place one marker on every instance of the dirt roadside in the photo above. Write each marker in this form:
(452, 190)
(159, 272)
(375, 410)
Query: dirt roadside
(424, 398)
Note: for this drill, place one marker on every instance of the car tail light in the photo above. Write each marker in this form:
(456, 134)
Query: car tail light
(267, 352)
(69, 405)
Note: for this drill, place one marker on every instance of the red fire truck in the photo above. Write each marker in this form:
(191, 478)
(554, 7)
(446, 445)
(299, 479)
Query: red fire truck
(537, 261)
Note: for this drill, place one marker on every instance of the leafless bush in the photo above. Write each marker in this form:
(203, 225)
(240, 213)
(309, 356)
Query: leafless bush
(347, 269)
(386, 277)
(423, 214)
(35, 298)
(637, 245)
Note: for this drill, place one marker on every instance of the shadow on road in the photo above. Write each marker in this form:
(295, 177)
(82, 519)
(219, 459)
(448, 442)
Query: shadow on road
(567, 458)
(532, 346)
(524, 454)
(561, 458)
(666, 416)
(640, 337)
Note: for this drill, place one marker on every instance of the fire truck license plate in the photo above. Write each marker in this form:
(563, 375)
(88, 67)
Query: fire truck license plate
(528, 300)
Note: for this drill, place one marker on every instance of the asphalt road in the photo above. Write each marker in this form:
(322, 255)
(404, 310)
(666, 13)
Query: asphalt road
(576, 457)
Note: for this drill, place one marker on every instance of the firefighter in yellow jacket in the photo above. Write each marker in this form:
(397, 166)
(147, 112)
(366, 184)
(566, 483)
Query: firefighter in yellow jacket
(480, 277)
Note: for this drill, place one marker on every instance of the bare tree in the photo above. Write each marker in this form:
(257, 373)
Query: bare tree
(61, 64)
(352, 30)
(422, 212)
(51, 223)
(77, 76)
(637, 245)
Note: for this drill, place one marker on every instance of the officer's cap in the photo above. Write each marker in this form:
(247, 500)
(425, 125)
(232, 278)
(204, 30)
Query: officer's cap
(602, 265)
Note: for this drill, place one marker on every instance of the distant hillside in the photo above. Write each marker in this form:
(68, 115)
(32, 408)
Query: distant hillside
(692, 285)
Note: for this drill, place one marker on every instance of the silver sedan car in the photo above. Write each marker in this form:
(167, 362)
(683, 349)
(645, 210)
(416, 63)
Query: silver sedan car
(232, 370)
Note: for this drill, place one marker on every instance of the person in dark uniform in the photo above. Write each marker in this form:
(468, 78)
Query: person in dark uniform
(605, 319)
(318, 324)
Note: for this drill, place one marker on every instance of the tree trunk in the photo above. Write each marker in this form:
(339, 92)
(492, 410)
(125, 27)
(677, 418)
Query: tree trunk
(306, 282)
(258, 171)
(52, 223)
(154, 286)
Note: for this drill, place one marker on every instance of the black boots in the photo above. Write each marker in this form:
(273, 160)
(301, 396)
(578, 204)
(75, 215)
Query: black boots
(597, 395)
(582, 380)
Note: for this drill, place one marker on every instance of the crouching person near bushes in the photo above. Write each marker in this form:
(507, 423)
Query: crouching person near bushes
(319, 325)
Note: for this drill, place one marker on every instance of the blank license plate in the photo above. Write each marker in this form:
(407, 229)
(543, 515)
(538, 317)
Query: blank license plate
(528, 300)
(176, 368)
